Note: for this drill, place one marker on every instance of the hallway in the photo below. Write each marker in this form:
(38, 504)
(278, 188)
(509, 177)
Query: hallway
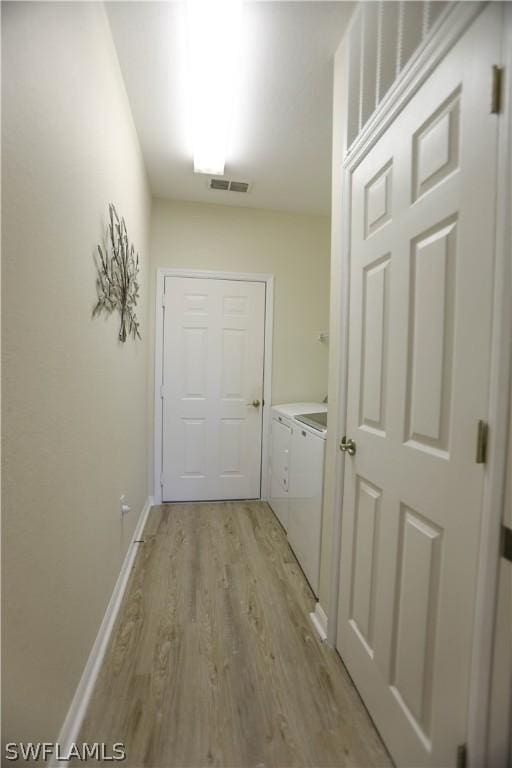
(213, 660)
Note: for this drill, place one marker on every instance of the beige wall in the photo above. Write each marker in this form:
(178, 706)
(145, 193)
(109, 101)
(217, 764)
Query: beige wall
(74, 423)
(295, 248)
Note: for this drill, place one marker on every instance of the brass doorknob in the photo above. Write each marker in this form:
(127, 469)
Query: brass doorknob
(347, 446)
(256, 403)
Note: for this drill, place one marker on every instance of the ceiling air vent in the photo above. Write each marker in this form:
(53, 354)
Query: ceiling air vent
(219, 184)
(229, 186)
(238, 186)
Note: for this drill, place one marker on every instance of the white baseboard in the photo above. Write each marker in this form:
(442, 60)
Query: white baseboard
(74, 718)
(319, 621)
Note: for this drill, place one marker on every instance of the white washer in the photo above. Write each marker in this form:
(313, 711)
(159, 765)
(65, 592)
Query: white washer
(279, 465)
(305, 498)
(296, 482)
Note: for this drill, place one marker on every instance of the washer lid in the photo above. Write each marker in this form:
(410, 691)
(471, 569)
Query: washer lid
(289, 410)
(320, 434)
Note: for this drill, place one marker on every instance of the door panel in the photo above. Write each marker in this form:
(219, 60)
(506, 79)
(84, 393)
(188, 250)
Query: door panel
(374, 340)
(422, 235)
(430, 354)
(213, 370)
(414, 624)
(364, 564)
(195, 341)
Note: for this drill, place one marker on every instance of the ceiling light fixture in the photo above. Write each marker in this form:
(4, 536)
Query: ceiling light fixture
(214, 31)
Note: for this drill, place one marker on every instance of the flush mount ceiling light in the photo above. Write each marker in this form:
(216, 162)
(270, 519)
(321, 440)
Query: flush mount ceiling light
(214, 29)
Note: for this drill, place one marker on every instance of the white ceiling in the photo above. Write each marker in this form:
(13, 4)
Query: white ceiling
(282, 131)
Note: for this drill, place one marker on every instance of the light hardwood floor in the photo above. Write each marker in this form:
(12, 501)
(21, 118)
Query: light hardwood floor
(213, 660)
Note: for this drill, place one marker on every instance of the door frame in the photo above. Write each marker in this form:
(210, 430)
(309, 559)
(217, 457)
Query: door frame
(449, 29)
(249, 277)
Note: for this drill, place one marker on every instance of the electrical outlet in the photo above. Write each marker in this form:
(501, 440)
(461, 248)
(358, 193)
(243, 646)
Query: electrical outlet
(124, 508)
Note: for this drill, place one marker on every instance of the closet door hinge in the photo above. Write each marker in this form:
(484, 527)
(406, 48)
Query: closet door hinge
(481, 442)
(462, 756)
(162, 479)
(162, 391)
(506, 543)
(496, 90)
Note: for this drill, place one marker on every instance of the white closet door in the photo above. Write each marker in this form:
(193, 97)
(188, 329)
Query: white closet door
(213, 389)
(422, 240)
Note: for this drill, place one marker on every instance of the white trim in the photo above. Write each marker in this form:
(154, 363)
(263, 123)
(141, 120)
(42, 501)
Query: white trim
(341, 365)
(440, 40)
(319, 620)
(158, 411)
(267, 387)
(342, 392)
(421, 66)
(71, 727)
(250, 277)
(495, 476)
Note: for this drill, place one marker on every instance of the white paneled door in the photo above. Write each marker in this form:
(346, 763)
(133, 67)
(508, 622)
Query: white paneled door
(422, 240)
(212, 389)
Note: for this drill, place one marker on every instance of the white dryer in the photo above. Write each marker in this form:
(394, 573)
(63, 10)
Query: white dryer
(305, 497)
(279, 467)
(296, 482)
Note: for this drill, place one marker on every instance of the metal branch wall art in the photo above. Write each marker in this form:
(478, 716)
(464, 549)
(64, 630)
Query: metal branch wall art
(117, 283)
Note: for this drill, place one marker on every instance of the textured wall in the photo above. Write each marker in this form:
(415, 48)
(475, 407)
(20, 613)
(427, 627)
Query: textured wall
(74, 419)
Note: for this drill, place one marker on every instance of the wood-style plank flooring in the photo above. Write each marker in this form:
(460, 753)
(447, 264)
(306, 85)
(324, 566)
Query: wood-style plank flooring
(213, 660)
